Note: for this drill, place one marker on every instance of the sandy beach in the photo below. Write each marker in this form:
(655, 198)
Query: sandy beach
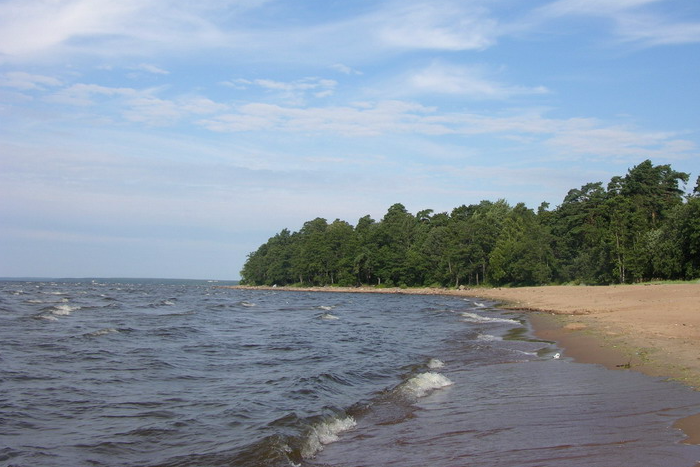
(650, 328)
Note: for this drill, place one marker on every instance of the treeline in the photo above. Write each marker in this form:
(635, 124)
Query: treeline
(641, 226)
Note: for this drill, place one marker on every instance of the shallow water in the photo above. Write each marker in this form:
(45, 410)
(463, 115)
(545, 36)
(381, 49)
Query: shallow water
(163, 375)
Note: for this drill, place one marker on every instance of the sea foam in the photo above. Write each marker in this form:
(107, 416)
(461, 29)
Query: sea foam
(328, 316)
(474, 318)
(422, 384)
(325, 432)
(101, 332)
(434, 364)
(488, 338)
(63, 310)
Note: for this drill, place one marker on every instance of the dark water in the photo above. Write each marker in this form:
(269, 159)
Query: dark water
(181, 375)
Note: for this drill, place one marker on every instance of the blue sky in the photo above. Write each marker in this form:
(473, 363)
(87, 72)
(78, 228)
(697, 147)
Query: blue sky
(153, 138)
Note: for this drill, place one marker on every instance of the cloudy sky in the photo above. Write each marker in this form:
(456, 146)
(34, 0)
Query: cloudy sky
(154, 138)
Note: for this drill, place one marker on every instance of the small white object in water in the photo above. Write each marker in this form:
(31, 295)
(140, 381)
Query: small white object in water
(434, 363)
(556, 355)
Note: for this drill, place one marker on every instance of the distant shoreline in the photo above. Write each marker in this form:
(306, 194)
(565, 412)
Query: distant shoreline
(650, 328)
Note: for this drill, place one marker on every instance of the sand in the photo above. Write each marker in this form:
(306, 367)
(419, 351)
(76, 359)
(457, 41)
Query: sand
(654, 327)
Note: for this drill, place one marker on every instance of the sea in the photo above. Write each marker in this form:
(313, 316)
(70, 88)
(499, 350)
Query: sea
(110, 373)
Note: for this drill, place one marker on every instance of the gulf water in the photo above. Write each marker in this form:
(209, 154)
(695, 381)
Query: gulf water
(131, 374)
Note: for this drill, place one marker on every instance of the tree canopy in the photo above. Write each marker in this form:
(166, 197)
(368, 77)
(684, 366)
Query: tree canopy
(641, 226)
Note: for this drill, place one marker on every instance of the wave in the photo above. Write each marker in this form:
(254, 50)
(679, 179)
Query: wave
(423, 384)
(101, 332)
(328, 316)
(488, 338)
(64, 310)
(434, 364)
(51, 313)
(296, 440)
(325, 432)
(474, 318)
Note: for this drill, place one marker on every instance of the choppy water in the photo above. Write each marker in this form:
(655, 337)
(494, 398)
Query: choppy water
(179, 375)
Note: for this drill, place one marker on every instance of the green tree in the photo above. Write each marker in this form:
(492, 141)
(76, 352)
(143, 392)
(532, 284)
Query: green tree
(522, 254)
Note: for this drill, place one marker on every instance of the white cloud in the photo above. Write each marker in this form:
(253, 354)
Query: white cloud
(30, 27)
(299, 85)
(652, 30)
(86, 94)
(155, 111)
(567, 138)
(27, 81)
(345, 69)
(439, 25)
(469, 82)
(292, 92)
(52, 28)
(137, 105)
(634, 20)
(379, 118)
(150, 68)
(592, 7)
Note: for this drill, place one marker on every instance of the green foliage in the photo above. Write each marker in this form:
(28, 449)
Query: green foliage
(639, 227)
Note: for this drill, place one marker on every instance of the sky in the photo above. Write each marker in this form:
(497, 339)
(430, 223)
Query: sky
(154, 138)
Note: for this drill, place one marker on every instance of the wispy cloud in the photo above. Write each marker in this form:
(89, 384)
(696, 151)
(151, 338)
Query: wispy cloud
(566, 138)
(291, 91)
(469, 82)
(150, 68)
(136, 105)
(345, 69)
(27, 81)
(636, 21)
(360, 119)
(440, 25)
(29, 30)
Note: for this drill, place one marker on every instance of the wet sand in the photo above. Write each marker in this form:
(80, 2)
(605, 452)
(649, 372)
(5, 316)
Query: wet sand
(654, 329)
(651, 328)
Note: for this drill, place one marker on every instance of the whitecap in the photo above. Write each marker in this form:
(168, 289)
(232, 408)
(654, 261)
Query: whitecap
(328, 316)
(46, 317)
(63, 310)
(324, 307)
(434, 364)
(480, 305)
(424, 383)
(474, 318)
(246, 304)
(101, 332)
(325, 432)
(488, 338)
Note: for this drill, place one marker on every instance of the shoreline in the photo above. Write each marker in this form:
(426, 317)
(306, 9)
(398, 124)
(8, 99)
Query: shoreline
(654, 328)
(651, 328)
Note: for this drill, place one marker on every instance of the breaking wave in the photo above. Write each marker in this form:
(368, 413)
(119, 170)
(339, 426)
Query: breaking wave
(474, 318)
(423, 384)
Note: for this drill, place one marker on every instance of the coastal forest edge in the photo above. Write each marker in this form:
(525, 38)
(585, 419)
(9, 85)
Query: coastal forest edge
(641, 226)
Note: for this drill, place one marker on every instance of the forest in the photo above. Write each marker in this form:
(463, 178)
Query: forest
(642, 226)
